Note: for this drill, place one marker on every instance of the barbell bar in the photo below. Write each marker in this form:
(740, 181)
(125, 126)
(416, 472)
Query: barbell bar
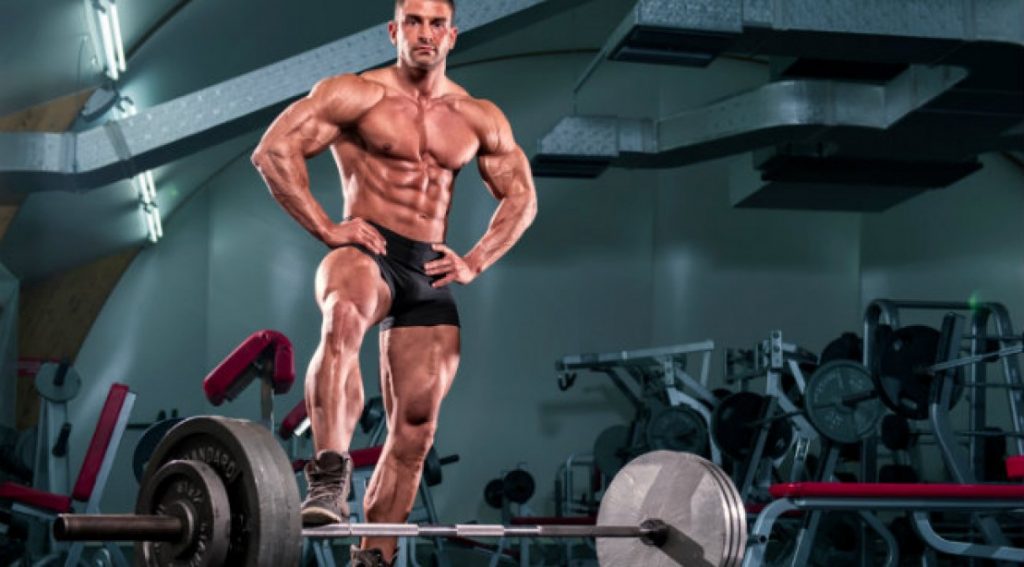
(153, 527)
(219, 491)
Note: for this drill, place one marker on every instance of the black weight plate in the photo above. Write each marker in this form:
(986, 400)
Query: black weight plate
(896, 434)
(734, 425)
(612, 450)
(151, 437)
(257, 475)
(848, 346)
(841, 401)
(192, 491)
(432, 468)
(677, 428)
(494, 493)
(519, 486)
(901, 381)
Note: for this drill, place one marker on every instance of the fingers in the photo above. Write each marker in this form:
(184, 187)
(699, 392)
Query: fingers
(439, 266)
(373, 240)
(367, 235)
(444, 281)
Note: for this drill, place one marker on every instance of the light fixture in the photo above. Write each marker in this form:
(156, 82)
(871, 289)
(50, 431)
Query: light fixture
(110, 34)
(144, 184)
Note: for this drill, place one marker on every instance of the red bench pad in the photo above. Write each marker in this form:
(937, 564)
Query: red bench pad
(367, 457)
(101, 438)
(292, 420)
(218, 384)
(896, 490)
(1015, 468)
(35, 498)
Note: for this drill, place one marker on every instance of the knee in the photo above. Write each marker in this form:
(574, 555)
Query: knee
(343, 325)
(412, 441)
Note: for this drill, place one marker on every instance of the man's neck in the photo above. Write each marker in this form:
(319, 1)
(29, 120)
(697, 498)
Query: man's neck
(421, 83)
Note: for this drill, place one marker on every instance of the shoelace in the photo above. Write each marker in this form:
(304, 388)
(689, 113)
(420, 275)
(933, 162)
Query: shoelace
(326, 484)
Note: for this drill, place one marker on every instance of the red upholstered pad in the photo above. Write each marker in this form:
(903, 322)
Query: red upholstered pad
(35, 498)
(100, 441)
(367, 457)
(1015, 468)
(239, 368)
(553, 520)
(292, 420)
(896, 490)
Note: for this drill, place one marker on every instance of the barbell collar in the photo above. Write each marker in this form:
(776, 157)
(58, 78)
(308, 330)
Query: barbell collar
(118, 527)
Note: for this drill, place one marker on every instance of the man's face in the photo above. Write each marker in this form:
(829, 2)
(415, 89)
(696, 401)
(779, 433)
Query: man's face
(423, 32)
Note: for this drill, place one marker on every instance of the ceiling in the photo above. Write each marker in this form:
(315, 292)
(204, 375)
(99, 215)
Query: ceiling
(175, 47)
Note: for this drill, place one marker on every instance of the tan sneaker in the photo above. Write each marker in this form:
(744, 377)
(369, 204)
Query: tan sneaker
(329, 478)
(368, 558)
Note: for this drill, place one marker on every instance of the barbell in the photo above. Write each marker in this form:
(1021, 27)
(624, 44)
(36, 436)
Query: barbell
(221, 491)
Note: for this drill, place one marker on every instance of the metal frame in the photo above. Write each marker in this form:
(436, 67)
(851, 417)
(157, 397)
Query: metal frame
(920, 507)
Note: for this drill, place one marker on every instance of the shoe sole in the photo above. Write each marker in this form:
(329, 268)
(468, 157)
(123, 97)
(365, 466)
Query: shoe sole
(317, 516)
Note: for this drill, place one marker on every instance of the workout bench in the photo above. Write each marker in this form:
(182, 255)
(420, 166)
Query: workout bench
(919, 499)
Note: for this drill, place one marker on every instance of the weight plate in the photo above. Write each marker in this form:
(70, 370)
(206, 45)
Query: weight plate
(494, 493)
(192, 491)
(737, 510)
(257, 475)
(432, 468)
(151, 437)
(901, 381)
(848, 346)
(688, 493)
(734, 425)
(611, 450)
(841, 401)
(677, 428)
(518, 486)
(53, 386)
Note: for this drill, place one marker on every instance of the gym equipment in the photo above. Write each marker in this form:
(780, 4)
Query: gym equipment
(612, 450)
(148, 442)
(781, 419)
(263, 504)
(737, 420)
(841, 402)
(516, 486)
(659, 380)
(266, 356)
(57, 384)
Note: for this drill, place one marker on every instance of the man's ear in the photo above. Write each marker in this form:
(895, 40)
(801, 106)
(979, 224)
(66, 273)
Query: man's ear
(455, 35)
(393, 32)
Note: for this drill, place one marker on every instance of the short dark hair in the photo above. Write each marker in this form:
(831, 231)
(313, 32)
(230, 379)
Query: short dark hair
(400, 3)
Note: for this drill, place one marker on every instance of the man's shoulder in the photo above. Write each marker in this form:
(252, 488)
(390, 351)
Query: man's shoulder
(349, 84)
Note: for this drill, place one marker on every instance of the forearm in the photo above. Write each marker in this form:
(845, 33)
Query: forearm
(288, 180)
(513, 216)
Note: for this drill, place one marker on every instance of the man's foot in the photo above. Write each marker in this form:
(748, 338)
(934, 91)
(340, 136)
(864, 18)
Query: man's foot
(329, 477)
(368, 558)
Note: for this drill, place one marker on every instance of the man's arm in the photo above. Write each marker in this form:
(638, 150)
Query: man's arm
(506, 173)
(303, 130)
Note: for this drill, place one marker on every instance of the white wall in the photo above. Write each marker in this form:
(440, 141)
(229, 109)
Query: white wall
(961, 243)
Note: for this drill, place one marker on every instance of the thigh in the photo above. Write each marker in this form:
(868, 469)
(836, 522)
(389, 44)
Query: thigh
(418, 365)
(348, 275)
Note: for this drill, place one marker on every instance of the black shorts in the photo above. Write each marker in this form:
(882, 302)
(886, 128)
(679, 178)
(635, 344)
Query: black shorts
(414, 303)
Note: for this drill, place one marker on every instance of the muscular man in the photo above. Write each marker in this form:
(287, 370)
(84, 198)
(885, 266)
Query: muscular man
(399, 135)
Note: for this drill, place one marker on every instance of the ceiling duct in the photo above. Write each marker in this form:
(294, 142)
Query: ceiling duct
(888, 98)
(188, 124)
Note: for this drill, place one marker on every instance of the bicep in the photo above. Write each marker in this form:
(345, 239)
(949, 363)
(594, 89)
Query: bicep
(506, 173)
(503, 164)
